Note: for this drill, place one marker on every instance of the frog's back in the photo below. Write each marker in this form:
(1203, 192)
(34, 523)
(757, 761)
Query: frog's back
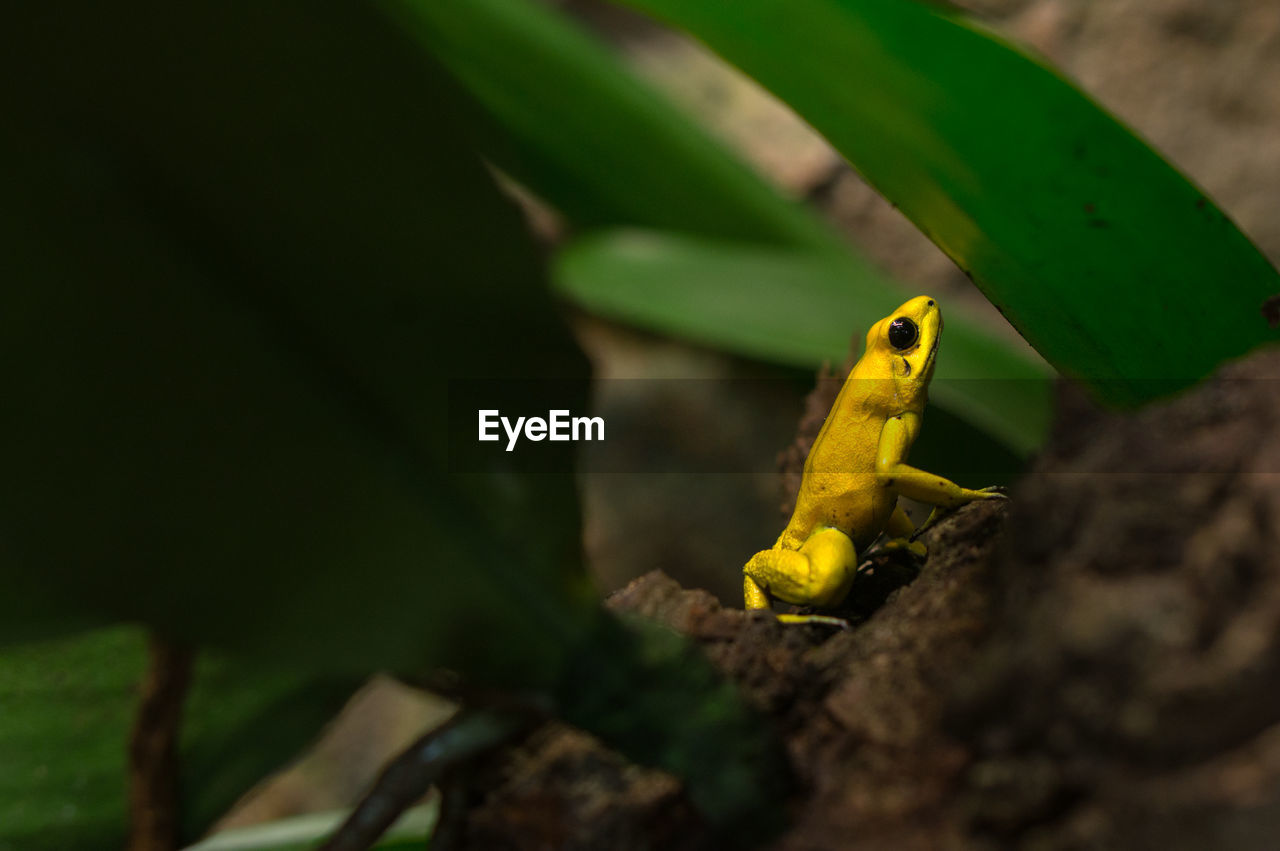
(839, 488)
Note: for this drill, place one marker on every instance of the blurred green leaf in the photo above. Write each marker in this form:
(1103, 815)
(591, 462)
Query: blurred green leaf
(66, 709)
(246, 254)
(251, 259)
(798, 308)
(566, 119)
(1106, 259)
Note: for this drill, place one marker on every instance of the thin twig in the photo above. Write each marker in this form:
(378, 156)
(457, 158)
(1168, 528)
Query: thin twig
(153, 748)
(408, 777)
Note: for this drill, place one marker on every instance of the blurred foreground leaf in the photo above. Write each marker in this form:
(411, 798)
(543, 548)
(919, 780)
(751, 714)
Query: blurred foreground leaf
(250, 256)
(236, 256)
(798, 308)
(66, 708)
(1105, 258)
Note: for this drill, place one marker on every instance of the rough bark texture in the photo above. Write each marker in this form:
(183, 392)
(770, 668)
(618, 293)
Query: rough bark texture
(1134, 668)
(1094, 665)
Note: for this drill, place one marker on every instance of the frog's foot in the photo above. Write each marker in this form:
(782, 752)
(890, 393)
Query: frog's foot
(820, 620)
(823, 620)
(939, 512)
(911, 545)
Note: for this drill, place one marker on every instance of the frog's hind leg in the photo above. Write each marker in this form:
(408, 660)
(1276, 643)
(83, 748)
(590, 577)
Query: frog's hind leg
(820, 573)
(755, 596)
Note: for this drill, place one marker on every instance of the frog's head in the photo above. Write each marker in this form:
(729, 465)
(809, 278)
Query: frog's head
(905, 345)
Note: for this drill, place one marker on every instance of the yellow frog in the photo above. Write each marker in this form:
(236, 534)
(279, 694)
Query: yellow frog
(857, 469)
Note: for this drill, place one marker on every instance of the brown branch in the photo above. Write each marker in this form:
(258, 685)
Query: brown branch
(153, 748)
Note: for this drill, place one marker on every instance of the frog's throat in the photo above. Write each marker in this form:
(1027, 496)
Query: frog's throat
(932, 358)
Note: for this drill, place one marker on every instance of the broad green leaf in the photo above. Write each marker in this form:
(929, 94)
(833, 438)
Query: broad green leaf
(1108, 261)
(66, 709)
(246, 259)
(564, 117)
(798, 308)
(573, 125)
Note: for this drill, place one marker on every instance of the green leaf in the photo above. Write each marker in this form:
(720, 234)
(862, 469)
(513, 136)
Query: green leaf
(798, 308)
(566, 119)
(573, 125)
(1109, 262)
(247, 257)
(66, 710)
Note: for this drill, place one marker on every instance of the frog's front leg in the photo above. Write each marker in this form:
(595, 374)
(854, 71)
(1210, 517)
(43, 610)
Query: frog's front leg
(818, 574)
(892, 470)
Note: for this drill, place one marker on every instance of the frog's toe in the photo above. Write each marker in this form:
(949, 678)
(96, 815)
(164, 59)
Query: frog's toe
(823, 620)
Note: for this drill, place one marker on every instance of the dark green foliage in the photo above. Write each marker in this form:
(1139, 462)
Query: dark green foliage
(659, 701)
(238, 269)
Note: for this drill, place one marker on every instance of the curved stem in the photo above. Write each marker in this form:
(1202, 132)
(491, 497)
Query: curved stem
(408, 777)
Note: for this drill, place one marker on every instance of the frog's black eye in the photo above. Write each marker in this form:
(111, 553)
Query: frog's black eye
(903, 333)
